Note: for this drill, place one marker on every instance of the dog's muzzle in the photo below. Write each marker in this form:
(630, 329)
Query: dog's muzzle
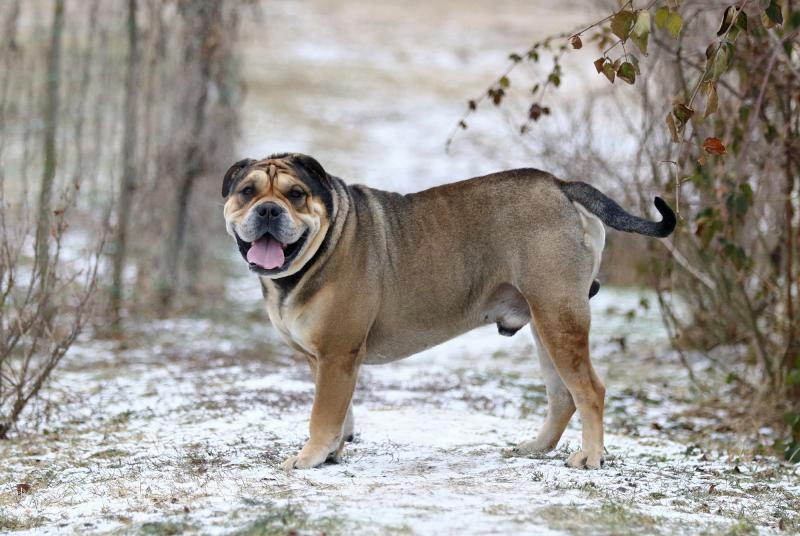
(274, 247)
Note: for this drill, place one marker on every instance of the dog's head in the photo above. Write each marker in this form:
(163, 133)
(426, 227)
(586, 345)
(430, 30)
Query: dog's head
(279, 210)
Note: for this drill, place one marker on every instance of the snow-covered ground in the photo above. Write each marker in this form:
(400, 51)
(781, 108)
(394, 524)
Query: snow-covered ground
(183, 430)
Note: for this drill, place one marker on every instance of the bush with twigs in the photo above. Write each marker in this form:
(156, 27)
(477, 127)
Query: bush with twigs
(719, 101)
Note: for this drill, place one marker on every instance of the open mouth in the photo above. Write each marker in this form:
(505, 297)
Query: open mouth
(267, 255)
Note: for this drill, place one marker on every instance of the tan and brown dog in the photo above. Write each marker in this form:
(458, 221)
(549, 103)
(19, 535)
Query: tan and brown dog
(354, 275)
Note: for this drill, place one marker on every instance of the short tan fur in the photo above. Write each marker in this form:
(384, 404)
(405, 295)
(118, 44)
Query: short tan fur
(380, 276)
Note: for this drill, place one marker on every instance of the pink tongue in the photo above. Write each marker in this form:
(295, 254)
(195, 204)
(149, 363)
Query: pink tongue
(266, 252)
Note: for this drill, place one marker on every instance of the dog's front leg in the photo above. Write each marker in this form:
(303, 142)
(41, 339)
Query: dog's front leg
(335, 381)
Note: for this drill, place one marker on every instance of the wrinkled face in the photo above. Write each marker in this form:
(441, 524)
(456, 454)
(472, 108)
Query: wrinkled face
(278, 209)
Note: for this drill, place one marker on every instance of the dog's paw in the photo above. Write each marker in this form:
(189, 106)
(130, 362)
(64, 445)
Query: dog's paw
(304, 461)
(530, 448)
(533, 446)
(586, 459)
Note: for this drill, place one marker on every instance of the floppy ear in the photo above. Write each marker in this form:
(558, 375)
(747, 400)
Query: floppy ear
(313, 167)
(233, 174)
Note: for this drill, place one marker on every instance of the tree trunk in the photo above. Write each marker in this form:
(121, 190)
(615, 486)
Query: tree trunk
(208, 14)
(50, 131)
(128, 170)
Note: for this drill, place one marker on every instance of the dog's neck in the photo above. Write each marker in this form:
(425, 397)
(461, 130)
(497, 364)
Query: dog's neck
(341, 207)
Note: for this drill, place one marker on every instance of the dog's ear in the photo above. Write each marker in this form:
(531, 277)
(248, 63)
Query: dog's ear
(313, 168)
(233, 175)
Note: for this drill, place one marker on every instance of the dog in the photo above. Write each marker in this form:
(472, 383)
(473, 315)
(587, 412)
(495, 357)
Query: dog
(353, 275)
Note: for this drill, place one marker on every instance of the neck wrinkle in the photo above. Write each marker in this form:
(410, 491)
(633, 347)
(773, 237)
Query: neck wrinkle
(341, 210)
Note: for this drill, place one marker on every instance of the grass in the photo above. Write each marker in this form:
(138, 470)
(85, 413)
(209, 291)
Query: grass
(165, 528)
(8, 522)
(110, 453)
(610, 518)
(742, 527)
(202, 457)
(281, 520)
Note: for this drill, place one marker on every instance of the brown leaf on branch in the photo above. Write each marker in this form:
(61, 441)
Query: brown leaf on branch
(576, 42)
(682, 113)
(627, 72)
(673, 129)
(712, 101)
(714, 146)
(621, 24)
(609, 71)
(598, 64)
(537, 110)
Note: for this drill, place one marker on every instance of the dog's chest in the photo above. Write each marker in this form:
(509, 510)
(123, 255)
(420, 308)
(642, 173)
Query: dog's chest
(294, 324)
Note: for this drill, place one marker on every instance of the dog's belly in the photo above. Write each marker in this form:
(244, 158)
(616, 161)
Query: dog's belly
(503, 305)
(387, 347)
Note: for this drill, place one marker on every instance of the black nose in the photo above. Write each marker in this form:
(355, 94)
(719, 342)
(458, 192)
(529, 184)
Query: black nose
(268, 211)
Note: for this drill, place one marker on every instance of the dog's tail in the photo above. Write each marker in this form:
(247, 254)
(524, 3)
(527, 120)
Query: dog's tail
(614, 215)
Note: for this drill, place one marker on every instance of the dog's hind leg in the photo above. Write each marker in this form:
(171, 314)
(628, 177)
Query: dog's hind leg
(562, 323)
(348, 430)
(560, 406)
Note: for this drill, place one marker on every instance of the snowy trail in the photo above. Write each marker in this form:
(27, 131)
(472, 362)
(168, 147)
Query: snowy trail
(182, 429)
(185, 432)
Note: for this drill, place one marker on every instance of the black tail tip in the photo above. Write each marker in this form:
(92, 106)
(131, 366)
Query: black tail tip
(668, 221)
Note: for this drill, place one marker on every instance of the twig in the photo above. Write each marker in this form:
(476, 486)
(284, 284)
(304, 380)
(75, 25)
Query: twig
(684, 262)
(679, 55)
(474, 103)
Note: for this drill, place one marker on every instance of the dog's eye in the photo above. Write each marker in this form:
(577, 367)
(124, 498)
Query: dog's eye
(247, 191)
(296, 193)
